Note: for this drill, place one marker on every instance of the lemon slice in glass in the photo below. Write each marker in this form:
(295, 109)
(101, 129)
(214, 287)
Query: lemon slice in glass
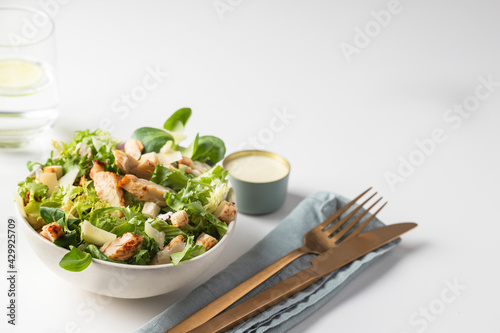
(19, 74)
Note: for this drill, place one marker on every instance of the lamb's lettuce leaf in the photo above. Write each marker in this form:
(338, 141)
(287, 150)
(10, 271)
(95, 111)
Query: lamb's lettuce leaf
(210, 150)
(75, 260)
(50, 215)
(68, 239)
(178, 120)
(153, 139)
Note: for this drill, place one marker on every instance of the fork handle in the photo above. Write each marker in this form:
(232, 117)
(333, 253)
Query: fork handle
(226, 300)
(259, 303)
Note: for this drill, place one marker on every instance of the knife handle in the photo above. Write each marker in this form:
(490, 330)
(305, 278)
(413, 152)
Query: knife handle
(260, 302)
(226, 300)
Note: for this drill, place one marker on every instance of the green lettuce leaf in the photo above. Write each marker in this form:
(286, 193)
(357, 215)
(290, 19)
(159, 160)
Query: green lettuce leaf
(101, 144)
(178, 120)
(153, 139)
(146, 252)
(174, 179)
(36, 190)
(68, 239)
(170, 231)
(210, 150)
(190, 251)
(75, 260)
(50, 214)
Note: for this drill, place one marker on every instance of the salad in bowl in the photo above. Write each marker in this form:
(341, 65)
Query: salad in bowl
(146, 201)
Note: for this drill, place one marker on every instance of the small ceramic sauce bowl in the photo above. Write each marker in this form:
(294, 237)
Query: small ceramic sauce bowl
(260, 179)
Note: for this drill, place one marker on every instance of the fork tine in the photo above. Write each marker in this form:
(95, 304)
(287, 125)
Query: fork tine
(339, 212)
(351, 224)
(340, 223)
(364, 224)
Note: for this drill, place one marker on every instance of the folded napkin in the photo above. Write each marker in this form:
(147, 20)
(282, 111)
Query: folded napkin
(287, 236)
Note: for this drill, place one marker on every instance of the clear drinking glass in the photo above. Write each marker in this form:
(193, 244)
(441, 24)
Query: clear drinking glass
(28, 91)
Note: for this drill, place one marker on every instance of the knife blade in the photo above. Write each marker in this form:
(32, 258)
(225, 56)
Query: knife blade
(323, 264)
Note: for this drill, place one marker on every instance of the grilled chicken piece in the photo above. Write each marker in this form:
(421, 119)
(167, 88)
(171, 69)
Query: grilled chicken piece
(225, 211)
(52, 231)
(206, 241)
(106, 185)
(97, 167)
(200, 166)
(146, 166)
(134, 148)
(179, 218)
(144, 190)
(176, 240)
(124, 161)
(182, 163)
(123, 247)
(188, 168)
(185, 161)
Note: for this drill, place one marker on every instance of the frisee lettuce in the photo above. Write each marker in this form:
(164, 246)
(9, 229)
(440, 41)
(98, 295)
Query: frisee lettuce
(190, 251)
(100, 143)
(37, 191)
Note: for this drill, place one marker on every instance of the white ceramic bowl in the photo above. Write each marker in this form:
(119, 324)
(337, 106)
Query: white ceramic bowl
(126, 281)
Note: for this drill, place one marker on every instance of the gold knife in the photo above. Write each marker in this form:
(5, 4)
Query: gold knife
(323, 264)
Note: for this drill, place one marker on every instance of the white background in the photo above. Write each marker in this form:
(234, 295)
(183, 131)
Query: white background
(352, 123)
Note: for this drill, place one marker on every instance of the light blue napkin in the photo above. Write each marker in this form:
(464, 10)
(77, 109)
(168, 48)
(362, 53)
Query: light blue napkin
(287, 236)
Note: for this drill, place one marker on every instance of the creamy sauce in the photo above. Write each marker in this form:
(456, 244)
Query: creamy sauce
(257, 169)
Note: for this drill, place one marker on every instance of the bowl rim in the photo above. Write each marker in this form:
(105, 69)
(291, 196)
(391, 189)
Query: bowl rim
(231, 195)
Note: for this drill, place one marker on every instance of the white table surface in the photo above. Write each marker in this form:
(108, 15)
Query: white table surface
(350, 124)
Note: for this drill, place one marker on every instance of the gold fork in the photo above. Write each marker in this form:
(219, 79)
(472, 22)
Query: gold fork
(317, 240)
